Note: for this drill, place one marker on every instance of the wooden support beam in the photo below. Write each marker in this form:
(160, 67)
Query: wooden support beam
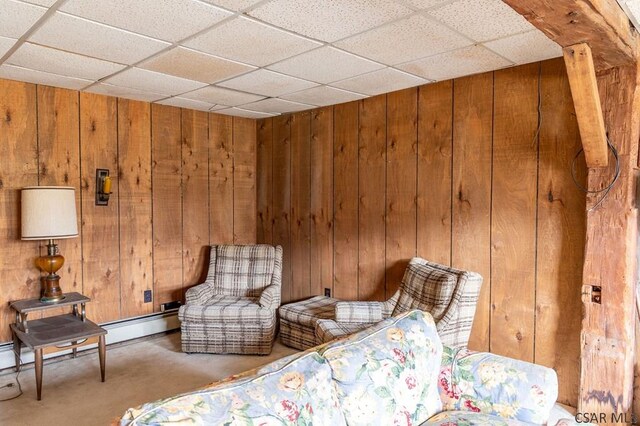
(586, 100)
(601, 23)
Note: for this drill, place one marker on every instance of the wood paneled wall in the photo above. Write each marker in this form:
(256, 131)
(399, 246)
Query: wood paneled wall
(456, 172)
(183, 179)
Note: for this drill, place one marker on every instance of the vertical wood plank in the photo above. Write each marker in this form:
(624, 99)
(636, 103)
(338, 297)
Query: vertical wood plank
(19, 157)
(167, 203)
(195, 200)
(244, 181)
(561, 231)
(59, 165)
(300, 205)
(435, 126)
(264, 183)
(134, 189)
(513, 222)
(100, 236)
(402, 117)
(321, 200)
(471, 221)
(221, 178)
(345, 190)
(372, 147)
(282, 197)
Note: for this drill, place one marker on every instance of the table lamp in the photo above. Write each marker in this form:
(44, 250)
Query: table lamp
(49, 213)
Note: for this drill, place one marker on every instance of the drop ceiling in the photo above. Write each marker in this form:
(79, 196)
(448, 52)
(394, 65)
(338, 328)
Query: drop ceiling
(259, 58)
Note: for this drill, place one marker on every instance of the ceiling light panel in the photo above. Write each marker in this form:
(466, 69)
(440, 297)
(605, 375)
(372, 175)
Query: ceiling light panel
(12, 72)
(405, 40)
(381, 81)
(59, 62)
(187, 103)
(267, 83)
(466, 61)
(527, 47)
(323, 95)
(482, 20)
(149, 81)
(193, 65)
(247, 41)
(328, 20)
(170, 20)
(78, 35)
(17, 17)
(124, 92)
(273, 105)
(325, 65)
(222, 96)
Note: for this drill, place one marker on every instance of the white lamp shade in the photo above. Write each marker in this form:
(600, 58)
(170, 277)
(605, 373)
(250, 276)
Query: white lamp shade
(49, 212)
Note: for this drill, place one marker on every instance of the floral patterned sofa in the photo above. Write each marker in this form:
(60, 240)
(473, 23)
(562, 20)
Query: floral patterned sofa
(394, 373)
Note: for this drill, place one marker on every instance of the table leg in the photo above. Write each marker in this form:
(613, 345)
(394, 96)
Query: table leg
(39, 372)
(74, 350)
(102, 350)
(17, 346)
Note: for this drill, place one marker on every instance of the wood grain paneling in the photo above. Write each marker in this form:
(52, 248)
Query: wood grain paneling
(244, 181)
(471, 192)
(134, 190)
(282, 197)
(195, 196)
(513, 221)
(345, 200)
(167, 203)
(221, 178)
(19, 157)
(100, 224)
(401, 187)
(264, 197)
(435, 123)
(321, 255)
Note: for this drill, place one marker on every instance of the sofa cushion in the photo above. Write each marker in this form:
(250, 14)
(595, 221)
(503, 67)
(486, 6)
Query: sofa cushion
(243, 270)
(466, 418)
(388, 373)
(299, 391)
(225, 309)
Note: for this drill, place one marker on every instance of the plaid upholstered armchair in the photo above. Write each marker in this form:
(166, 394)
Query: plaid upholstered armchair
(234, 310)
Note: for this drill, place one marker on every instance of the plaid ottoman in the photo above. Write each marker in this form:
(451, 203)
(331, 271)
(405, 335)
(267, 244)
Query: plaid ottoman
(328, 329)
(298, 321)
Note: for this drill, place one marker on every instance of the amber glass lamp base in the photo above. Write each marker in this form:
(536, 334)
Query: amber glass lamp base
(51, 290)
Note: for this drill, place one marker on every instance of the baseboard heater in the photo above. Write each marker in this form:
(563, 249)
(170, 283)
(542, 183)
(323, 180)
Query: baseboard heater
(118, 331)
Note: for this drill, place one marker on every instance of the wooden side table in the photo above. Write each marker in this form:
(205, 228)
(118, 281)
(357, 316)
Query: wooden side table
(56, 333)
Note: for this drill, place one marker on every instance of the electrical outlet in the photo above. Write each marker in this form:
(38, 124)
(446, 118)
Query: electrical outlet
(327, 292)
(147, 296)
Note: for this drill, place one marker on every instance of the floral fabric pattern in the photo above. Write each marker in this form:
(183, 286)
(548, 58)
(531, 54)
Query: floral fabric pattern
(388, 374)
(299, 393)
(465, 418)
(491, 384)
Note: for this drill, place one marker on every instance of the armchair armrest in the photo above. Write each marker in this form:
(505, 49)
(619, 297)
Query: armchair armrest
(359, 312)
(270, 297)
(390, 305)
(199, 294)
(493, 384)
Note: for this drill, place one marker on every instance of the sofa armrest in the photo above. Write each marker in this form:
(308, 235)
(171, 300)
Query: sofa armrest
(359, 312)
(270, 297)
(493, 384)
(199, 294)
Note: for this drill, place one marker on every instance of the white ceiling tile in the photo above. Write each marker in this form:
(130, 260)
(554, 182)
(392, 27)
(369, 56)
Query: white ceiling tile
(406, 40)
(187, 103)
(17, 17)
(59, 62)
(124, 92)
(482, 20)
(267, 83)
(78, 35)
(239, 112)
(45, 3)
(251, 42)
(234, 5)
(424, 4)
(466, 61)
(323, 95)
(170, 20)
(32, 76)
(150, 81)
(219, 95)
(6, 44)
(325, 65)
(329, 20)
(381, 81)
(273, 105)
(218, 107)
(193, 65)
(527, 47)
